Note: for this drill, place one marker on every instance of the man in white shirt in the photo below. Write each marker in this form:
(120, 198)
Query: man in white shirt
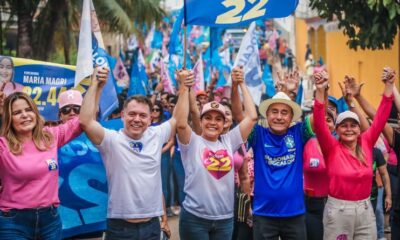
(132, 159)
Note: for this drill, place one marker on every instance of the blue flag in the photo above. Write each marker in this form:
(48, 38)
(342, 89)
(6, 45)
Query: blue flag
(136, 85)
(268, 81)
(174, 42)
(235, 13)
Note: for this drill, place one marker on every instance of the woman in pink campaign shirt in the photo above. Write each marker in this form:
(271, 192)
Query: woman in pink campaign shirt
(316, 182)
(348, 213)
(29, 169)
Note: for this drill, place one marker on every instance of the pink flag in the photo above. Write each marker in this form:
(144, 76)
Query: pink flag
(198, 74)
(165, 79)
(120, 74)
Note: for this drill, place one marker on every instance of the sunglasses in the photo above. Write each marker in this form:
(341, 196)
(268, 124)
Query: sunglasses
(68, 109)
(156, 110)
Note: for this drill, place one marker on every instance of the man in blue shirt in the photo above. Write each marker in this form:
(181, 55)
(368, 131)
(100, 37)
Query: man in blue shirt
(278, 207)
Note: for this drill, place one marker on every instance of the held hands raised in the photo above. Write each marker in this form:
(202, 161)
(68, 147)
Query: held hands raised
(321, 80)
(388, 75)
(237, 75)
(186, 78)
(100, 75)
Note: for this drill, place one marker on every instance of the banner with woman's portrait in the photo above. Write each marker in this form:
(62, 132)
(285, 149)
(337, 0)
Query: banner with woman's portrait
(43, 81)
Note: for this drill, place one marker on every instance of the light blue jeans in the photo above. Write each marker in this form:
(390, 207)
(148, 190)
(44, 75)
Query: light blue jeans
(380, 220)
(34, 223)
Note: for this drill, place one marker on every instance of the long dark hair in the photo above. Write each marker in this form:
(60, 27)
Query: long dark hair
(159, 105)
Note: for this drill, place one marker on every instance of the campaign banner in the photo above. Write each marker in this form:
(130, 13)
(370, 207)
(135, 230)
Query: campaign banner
(42, 81)
(231, 13)
(83, 185)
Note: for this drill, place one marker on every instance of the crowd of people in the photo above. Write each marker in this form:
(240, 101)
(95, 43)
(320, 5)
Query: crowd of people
(238, 174)
(228, 171)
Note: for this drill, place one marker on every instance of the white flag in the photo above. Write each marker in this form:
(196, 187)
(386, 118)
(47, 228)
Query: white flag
(91, 52)
(249, 58)
(199, 74)
(84, 64)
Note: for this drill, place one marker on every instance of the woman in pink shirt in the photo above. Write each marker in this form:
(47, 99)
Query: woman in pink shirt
(348, 212)
(316, 182)
(29, 169)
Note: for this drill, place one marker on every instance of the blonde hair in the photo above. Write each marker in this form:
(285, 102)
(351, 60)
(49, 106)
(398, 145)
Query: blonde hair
(360, 154)
(42, 139)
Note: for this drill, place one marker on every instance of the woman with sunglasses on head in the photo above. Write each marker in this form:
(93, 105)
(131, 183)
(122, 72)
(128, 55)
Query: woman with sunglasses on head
(29, 169)
(207, 211)
(348, 213)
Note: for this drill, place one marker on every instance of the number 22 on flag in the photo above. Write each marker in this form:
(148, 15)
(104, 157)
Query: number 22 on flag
(234, 15)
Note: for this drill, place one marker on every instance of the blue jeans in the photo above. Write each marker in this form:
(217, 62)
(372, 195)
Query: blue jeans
(380, 222)
(192, 227)
(179, 173)
(165, 177)
(38, 223)
(119, 229)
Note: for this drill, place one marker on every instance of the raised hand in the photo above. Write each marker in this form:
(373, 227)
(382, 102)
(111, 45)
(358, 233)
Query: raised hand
(388, 75)
(237, 75)
(190, 80)
(353, 87)
(281, 83)
(185, 77)
(321, 80)
(100, 75)
(293, 81)
(350, 87)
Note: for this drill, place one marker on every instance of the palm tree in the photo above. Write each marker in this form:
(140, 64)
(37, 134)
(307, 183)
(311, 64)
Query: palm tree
(63, 16)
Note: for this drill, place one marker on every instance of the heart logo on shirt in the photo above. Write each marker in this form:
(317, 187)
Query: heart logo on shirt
(136, 146)
(217, 163)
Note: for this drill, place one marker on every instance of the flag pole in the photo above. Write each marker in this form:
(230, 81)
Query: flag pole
(184, 47)
(184, 35)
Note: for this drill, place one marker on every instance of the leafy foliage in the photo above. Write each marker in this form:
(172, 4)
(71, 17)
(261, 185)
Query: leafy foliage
(369, 24)
(63, 17)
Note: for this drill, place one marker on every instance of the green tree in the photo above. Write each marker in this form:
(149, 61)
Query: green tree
(369, 24)
(36, 39)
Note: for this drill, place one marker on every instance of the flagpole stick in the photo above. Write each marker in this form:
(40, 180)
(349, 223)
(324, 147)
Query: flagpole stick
(184, 47)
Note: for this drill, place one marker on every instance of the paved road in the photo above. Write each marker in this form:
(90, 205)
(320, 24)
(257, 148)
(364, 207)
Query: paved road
(173, 223)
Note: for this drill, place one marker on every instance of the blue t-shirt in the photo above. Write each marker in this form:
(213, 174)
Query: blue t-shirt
(278, 172)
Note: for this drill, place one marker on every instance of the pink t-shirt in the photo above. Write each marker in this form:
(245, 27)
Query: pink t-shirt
(238, 160)
(349, 179)
(30, 180)
(316, 180)
(392, 159)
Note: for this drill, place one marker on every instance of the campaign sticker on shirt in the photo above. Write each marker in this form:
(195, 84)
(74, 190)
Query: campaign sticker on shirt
(217, 163)
(314, 162)
(52, 164)
(136, 146)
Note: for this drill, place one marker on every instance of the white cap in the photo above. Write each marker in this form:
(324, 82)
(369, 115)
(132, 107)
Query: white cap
(347, 115)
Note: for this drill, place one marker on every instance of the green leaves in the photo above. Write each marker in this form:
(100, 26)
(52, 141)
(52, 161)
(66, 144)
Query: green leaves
(369, 24)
